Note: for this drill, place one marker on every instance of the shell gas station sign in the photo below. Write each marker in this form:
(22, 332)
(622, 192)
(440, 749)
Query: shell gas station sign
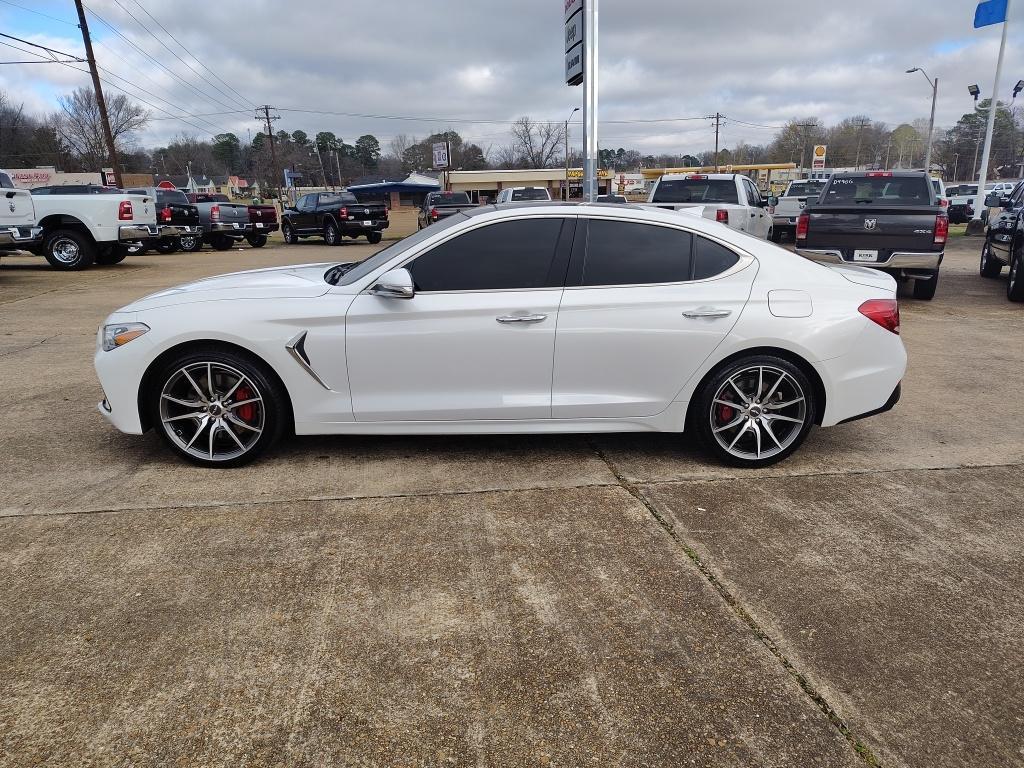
(818, 158)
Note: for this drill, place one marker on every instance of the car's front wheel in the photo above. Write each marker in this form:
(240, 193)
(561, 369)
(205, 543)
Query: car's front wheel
(989, 267)
(374, 237)
(1015, 285)
(332, 235)
(217, 408)
(288, 233)
(754, 411)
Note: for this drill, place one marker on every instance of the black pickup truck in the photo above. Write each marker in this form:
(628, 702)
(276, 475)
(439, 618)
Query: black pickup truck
(888, 220)
(332, 216)
(1004, 240)
(441, 205)
(172, 210)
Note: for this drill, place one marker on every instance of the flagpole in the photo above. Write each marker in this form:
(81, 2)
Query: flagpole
(993, 106)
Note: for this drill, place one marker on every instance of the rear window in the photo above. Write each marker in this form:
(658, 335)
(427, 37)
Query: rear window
(530, 193)
(808, 189)
(884, 190)
(696, 191)
(340, 198)
(168, 196)
(448, 198)
(5, 181)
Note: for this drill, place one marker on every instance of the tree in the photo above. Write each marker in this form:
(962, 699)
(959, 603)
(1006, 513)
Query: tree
(82, 127)
(301, 138)
(398, 146)
(538, 145)
(227, 149)
(367, 151)
(326, 141)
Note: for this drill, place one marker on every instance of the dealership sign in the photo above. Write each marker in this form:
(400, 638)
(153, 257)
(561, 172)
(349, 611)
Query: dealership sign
(441, 154)
(818, 159)
(574, 42)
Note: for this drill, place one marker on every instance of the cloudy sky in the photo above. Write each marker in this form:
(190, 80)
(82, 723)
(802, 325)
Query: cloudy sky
(414, 67)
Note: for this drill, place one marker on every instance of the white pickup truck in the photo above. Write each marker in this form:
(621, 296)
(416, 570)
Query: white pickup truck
(96, 227)
(791, 205)
(729, 198)
(18, 230)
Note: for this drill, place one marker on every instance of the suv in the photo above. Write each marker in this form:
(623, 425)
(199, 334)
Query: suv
(516, 194)
(1004, 241)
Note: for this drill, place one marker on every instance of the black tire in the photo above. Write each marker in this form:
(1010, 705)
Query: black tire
(69, 249)
(269, 416)
(113, 254)
(774, 236)
(256, 241)
(168, 245)
(1015, 285)
(332, 235)
(288, 234)
(763, 374)
(925, 289)
(221, 242)
(374, 237)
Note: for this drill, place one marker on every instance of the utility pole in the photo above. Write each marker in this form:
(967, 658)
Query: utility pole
(337, 164)
(990, 129)
(267, 118)
(860, 135)
(803, 140)
(323, 173)
(718, 123)
(91, 59)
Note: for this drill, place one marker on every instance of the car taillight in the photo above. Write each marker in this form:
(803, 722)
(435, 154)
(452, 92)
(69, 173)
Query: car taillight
(802, 225)
(943, 202)
(165, 214)
(387, 214)
(343, 212)
(124, 211)
(941, 228)
(433, 213)
(214, 213)
(885, 312)
(878, 174)
(722, 216)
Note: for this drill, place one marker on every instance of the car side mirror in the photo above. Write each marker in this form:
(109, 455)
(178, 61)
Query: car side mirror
(992, 200)
(773, 200)
(396, 284)
(1005, 202)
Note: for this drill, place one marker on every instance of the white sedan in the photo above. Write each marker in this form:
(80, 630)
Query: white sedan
(531, 318)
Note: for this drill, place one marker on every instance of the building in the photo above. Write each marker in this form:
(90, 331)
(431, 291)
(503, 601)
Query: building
(484, 186)
(47, 176)
(409, 191)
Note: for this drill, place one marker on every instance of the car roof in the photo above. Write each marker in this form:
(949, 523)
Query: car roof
(721, 176)
(894, 174)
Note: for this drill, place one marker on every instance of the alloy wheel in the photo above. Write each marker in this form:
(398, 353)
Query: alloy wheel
(758, 412)
(212, 411)
(65, 250)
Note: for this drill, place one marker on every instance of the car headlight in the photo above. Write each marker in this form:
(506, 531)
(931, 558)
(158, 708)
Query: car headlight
(118, 334)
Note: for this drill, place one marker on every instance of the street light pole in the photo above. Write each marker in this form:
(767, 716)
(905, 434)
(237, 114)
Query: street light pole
(987, 151)
(931, 121)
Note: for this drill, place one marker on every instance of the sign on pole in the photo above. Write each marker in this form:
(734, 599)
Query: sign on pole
(818, 159)
(107, 177)
(574, 42)
(441, 154)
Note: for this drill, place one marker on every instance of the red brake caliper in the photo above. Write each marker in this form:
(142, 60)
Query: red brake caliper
(725, 413)
(245, 412)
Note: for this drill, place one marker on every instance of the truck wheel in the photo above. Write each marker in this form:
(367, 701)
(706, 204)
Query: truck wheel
(374, 237)
(168, 245)
(331, 234)
(191, 243)
(925, 289)
(288, 234)
(256, 241)
(775, 235)
(989, 267)
(112, 254)
(69, 249)
(1015, 286)
(222, 243)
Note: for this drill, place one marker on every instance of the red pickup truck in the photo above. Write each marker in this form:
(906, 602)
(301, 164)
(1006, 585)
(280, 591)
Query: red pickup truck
(264, 221)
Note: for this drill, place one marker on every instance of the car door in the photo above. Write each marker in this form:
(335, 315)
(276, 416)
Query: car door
(644, 305)
(476, 341)
(759, 220)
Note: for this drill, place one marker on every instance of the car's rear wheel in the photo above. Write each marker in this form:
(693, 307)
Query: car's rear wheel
(989, 267)
(256, 241)
(1015, 285)
(111, 255)
(924, 289)
(191, 243)
(332, 236)
(288, 234)
(221, 243)
(374, 237)
(755, 411)
(69, 249)
(217, 408)
(168, 245)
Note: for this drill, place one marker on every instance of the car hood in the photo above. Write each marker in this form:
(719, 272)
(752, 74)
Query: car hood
(295, 282)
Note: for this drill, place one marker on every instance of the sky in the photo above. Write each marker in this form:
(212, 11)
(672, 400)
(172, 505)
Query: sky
(412, 67)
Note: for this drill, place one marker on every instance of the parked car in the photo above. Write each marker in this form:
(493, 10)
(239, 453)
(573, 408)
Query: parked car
(89, 224)
(939, 187)
(886, 220)
(791, 203)
(173, 212)
(333, 216)
(440, 205)
(665, 323)
(1004, 241)
(264, 221)
(961, 203)
(728, 198)
(522, 194)
(18, 230)
(224, 223)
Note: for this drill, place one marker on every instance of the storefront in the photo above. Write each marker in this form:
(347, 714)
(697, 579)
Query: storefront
(484, 186)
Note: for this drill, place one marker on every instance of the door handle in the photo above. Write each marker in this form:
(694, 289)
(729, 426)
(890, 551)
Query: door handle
(521, 318)
(695, 313)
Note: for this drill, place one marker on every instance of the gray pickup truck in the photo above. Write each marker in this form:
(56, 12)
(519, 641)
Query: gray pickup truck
(224, 223)
(791, 203)
(441, 205)
(887, 220)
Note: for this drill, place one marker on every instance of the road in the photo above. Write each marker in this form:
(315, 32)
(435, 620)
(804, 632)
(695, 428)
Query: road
(557, 600)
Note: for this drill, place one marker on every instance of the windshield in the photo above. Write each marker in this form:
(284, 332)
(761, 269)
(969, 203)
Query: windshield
(448, 198)
(338, 198)
(885, 190)
(696, 191)
(968, 189)
(168, 196)
(805, 189)
(363, 268)
(530, 193)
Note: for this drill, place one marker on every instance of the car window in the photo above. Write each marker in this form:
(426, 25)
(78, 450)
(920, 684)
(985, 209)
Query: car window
(5, 181)
(530, 193)
(41, 191)
(710, 258)
(338, 198)
(806, 189)
(753, 194)
(696, 190)
(885, 190)
(506, 255)
(448, 198)
(630, 253)
(302, 202)
(168, 196)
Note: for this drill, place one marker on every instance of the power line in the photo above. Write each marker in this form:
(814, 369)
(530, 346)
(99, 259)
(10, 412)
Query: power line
(51, 51)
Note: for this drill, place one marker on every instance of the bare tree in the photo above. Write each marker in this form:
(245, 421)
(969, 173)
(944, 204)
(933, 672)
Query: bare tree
(398, 146)
(507, 156)
(81, 127)
(538, 144)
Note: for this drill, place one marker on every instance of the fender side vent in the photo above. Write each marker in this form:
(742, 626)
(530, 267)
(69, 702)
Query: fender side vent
(296, 347)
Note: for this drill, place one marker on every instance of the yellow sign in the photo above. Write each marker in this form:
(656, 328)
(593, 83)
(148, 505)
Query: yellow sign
(574, 173)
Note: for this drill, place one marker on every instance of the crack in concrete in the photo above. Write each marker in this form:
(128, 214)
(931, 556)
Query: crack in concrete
(817, 698)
